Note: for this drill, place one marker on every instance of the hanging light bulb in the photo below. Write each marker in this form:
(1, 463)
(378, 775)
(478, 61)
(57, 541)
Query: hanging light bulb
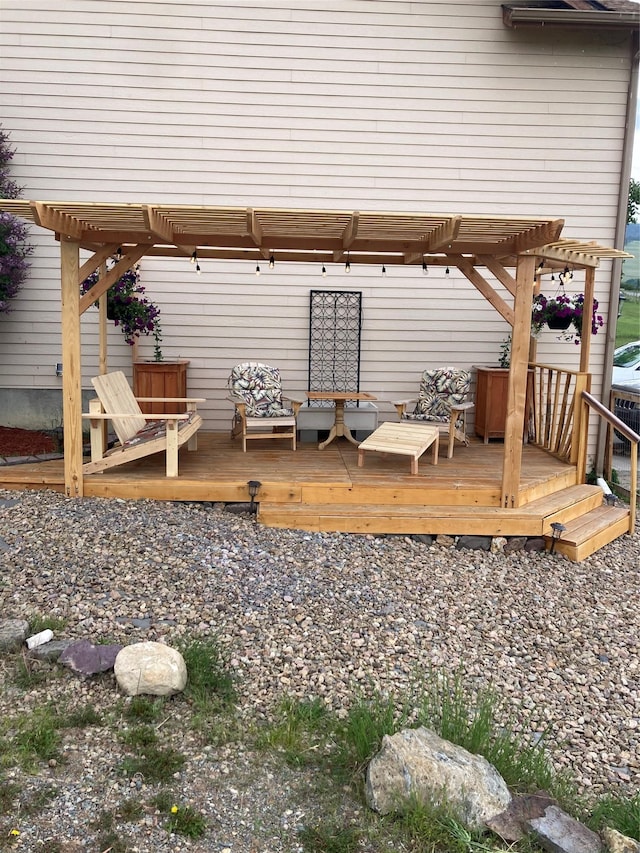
(257, 269)
(446, 272)
(272, 262)
(194, 257)
(197, 268)
(324, 271)
(384, 270)
(565, 276)
(347, 266)
(425, 268)
(119, 254)
(540, 267)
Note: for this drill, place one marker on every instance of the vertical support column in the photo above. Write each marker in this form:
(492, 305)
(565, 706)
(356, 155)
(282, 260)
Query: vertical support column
(517, 391)
(71, 374)
(585, 340)
(102, 326)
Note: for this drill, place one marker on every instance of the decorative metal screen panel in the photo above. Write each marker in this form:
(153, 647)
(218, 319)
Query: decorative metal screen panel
(334, 340)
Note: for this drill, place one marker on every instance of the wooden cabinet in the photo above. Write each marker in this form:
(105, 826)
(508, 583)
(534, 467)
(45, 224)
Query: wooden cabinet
(160, 379)
(492, 385)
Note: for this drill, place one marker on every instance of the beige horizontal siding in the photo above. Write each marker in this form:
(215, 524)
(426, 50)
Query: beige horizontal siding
(379, 105)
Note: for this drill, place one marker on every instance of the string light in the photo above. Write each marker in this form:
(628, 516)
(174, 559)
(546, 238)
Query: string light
(446, 272)
(324, 271)
(272, 262)
(347, 266)
(565, 276)
(119, 254)
(384, 270)
(425, 268)
(540, 267)
(257, 269)
(194, 257)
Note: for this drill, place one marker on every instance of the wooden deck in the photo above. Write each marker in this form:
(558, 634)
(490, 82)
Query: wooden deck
(325, 490)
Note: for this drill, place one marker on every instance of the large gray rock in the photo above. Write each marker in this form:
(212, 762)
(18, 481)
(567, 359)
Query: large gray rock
(13, 633)
(150, 668)
(417, 763)
(558, 832)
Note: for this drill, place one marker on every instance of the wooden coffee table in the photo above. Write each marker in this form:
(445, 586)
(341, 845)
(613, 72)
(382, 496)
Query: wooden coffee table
(404, 439)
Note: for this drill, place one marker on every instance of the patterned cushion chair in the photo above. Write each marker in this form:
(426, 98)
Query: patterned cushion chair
(260, 410)
(442, 401)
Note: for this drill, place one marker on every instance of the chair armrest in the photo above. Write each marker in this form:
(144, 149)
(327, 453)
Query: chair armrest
(401, 405)
(102, 416)
(462, 407)
(299, 397)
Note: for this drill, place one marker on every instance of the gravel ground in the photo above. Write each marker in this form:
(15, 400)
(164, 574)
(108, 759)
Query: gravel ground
(308, 615)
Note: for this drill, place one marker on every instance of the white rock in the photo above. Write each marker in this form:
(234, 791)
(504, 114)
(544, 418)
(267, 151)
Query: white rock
(150, 668)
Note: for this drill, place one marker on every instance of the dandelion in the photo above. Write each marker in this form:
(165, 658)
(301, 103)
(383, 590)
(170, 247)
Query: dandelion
(174, 809)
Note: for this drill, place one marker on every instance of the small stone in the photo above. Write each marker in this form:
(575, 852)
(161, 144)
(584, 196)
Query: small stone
(13, 633)
(535, 543)
(476, 543)
(558, 832)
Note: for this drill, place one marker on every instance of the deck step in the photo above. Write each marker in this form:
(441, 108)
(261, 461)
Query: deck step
(588, 533)
(534, 519)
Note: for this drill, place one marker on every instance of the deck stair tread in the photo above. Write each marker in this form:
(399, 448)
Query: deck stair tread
(585, 535)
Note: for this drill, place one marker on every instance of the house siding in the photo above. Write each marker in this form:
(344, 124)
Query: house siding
(393, 106)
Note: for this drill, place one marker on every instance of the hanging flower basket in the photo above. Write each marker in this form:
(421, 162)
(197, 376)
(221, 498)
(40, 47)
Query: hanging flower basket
(564, 314)
(129, 309)
(559, 323)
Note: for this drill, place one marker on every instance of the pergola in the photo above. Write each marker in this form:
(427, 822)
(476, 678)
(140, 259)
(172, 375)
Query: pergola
(514, 249)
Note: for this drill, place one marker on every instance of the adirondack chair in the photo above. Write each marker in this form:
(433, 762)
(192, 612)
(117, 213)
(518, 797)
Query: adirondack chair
(442, 402)
(260, 410)
(138, 434)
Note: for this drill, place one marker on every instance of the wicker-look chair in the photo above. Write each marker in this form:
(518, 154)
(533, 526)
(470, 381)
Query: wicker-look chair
(260, 410)
(442, 401)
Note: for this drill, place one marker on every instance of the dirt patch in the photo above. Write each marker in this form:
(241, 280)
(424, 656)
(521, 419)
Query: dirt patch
(25, 442)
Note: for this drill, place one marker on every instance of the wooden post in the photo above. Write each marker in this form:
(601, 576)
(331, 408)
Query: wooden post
(71, 372)
(102, 325)
(587, 312)
(517, 391)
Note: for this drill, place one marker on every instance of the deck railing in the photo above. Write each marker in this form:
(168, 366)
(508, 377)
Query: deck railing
(554, 420)
(614, 423)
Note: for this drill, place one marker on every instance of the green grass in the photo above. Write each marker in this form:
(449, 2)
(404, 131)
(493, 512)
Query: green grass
(139, 737)
(155, 764)
(619, 811)
(298, 731)
(145, 709)
(38, 623)
(184, 820)
(330, 838)
(628, 325)
(210, 684)
(483, 726)
(38, 737)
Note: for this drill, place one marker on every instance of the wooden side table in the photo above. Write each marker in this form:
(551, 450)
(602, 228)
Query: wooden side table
(339, 428)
